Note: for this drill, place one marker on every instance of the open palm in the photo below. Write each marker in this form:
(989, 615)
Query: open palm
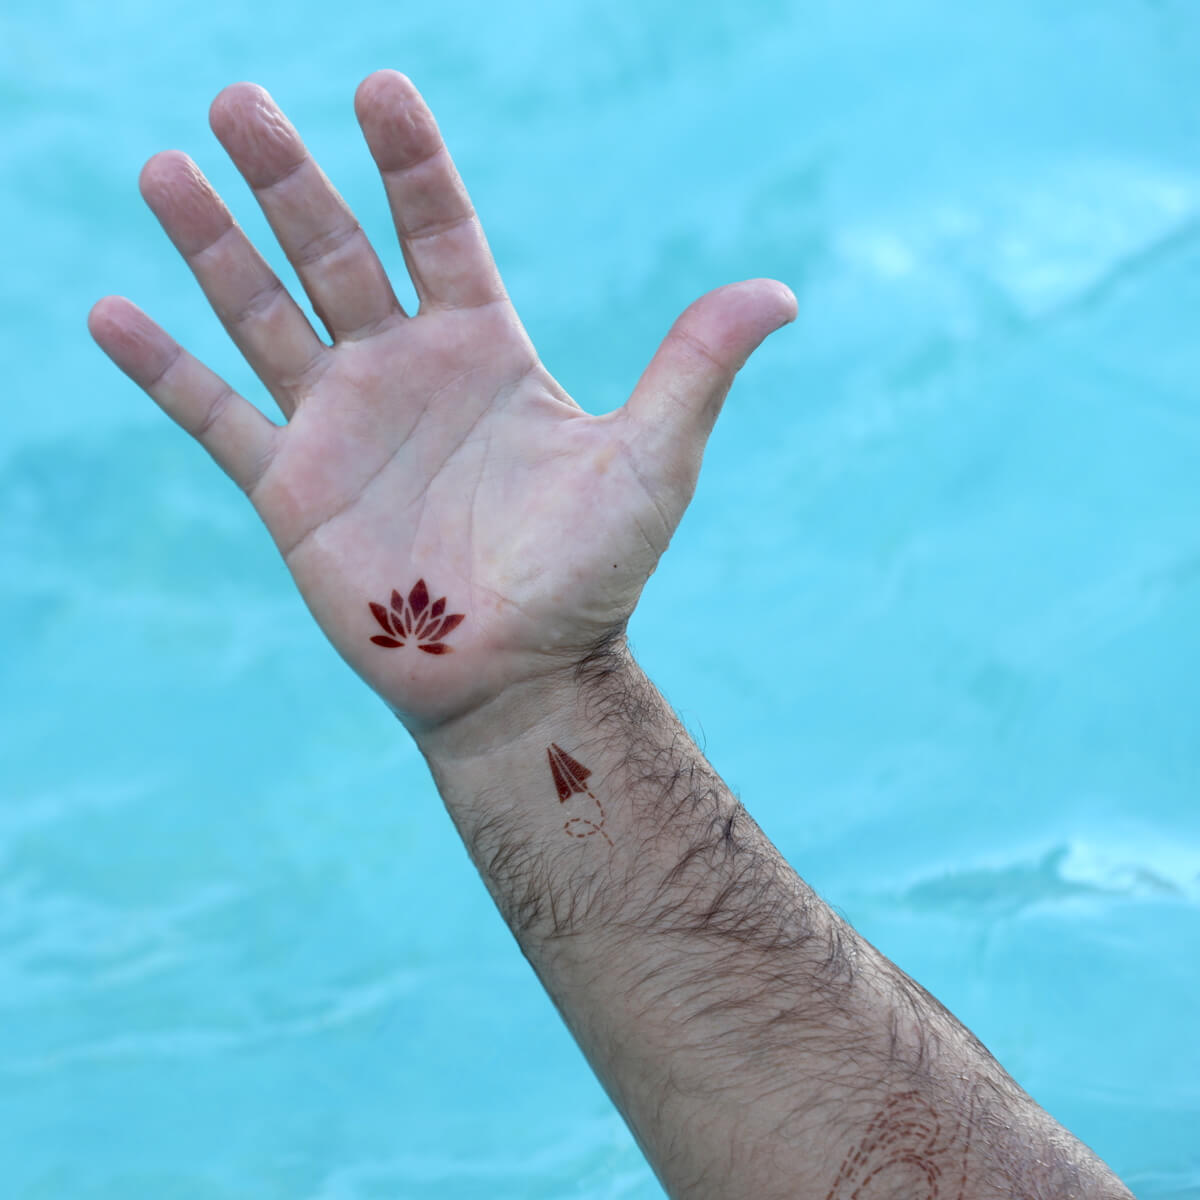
(454, 521)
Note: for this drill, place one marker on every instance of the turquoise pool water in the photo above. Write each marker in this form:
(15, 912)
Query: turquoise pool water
(241, 951)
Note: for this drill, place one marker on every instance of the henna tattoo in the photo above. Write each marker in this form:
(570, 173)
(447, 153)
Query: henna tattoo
(904, 1151)
(569, 780)
(416, 620)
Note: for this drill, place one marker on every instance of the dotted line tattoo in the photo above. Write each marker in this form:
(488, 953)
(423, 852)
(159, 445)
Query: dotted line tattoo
(415, 620)
(903, 1152)
(569, 780)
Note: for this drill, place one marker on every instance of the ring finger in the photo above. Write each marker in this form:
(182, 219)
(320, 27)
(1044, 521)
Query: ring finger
(266, 324)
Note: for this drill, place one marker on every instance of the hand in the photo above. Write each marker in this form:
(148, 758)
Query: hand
(430, 456)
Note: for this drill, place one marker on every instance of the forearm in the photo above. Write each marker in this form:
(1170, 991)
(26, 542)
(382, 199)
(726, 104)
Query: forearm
(755, 1044)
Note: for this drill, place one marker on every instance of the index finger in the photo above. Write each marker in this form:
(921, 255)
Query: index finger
(443, 242)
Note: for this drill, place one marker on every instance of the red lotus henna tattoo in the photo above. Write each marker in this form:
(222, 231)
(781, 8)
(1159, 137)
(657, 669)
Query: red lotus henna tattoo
(904, 1151)
(569, 776)
(415, 620)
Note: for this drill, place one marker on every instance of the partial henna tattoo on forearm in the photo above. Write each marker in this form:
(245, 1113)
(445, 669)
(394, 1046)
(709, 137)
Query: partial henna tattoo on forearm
(569, 780)
(415, 620)
(904, 1151)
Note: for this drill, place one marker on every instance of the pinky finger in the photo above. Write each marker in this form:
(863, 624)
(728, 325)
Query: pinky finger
(231, 429)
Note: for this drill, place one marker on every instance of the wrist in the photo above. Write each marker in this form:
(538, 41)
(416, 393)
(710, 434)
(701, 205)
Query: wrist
(597, 690)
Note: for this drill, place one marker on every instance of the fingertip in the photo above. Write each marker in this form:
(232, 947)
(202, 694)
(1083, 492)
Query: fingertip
(730, 322)
(185, 203)
(381, 85)
(789, 305)
(104, 316)
(262, 142)
(772, 299)
(396, 122)
(230, 100)
(131, 339)
(155, 175)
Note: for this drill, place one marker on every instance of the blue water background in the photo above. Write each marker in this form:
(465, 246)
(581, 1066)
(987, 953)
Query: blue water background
(934, 612)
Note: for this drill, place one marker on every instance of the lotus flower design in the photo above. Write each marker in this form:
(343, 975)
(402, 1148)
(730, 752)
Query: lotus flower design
(416, 620)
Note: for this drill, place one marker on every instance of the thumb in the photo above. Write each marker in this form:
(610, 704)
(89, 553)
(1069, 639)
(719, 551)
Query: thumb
(677, 399)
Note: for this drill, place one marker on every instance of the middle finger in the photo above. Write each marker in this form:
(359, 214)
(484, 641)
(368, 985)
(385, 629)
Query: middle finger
(340, 271)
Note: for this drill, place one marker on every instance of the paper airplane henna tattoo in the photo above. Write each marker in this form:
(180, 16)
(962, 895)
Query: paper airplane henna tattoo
(569, 780)
(415, 620)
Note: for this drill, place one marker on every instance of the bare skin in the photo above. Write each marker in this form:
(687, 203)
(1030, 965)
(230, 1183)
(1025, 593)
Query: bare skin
(473, 544)
(427, 445)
